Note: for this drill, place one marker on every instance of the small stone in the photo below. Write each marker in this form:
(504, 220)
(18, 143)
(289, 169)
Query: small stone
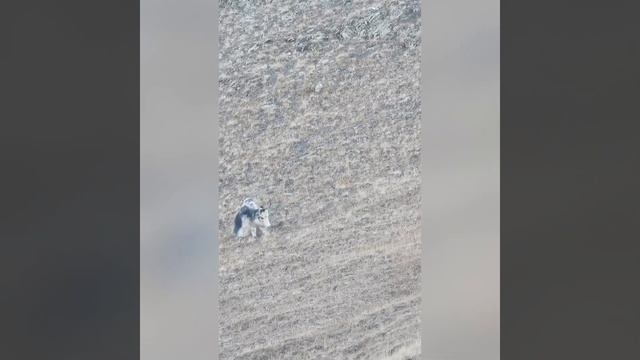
(288, 186)
(300, 147)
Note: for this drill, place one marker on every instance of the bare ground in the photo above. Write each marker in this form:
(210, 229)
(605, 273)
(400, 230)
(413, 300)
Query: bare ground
(320, 120)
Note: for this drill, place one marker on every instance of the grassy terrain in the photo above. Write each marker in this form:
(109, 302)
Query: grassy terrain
(320, 120)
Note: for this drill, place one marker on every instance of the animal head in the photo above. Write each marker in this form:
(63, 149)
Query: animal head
(262, 217)
(250, 203)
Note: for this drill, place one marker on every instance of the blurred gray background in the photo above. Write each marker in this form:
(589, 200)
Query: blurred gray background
(460, 186)
(178, 180)
(461, 180)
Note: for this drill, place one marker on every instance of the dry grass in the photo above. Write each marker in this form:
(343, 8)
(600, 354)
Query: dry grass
(320, 117)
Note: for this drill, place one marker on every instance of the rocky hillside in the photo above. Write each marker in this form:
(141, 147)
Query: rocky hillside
(320, 120)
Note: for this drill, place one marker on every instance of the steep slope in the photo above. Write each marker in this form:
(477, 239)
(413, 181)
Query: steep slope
(320, 119)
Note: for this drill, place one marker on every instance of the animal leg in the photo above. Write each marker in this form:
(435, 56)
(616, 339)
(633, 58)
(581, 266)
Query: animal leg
(244, 231)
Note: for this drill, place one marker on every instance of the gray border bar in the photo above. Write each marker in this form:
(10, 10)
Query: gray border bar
(461, 180)
(179, 180)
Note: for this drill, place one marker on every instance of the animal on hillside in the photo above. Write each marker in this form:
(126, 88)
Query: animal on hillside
(249, 218)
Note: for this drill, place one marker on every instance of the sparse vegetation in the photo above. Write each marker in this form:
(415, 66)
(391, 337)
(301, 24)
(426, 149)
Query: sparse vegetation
(320, 117)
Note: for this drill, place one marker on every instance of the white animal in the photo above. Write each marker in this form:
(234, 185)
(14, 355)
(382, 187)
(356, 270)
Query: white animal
(248, 202)
(249, 218)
